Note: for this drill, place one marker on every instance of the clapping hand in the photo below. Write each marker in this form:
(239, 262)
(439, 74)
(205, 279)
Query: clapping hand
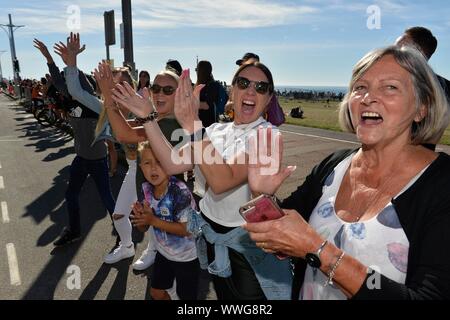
(127, 97)
(142, 215)
(265, 174)
(187, 102)
(104, 78)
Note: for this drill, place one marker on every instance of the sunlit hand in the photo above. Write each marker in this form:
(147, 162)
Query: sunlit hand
(187, 102)
(125, 96)
(265, 174)
(43, 49)
(104, 78)
(290, 235)
(68, 52)
(73, 44)
(62, 51)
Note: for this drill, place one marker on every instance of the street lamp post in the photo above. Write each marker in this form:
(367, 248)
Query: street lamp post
(9, 29)
(1, 72)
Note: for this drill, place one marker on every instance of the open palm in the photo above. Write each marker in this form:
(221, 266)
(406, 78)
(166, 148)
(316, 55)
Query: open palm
(265, 174)
(104, 78)
(187, 102)
(127, 97)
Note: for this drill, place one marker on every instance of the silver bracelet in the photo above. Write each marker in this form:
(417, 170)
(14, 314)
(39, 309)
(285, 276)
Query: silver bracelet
(333, 270)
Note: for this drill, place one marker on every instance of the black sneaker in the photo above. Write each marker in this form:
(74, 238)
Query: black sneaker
(66, 237)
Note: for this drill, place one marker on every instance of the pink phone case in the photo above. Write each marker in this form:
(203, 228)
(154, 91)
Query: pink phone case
(260, 209)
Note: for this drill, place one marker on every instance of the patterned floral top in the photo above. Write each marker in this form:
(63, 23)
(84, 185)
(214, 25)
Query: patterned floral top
(379, 243)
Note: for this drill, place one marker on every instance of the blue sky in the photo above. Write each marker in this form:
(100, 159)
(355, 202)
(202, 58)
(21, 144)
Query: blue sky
(308, 42)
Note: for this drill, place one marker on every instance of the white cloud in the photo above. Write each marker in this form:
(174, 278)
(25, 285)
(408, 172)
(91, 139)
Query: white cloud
(391, 5)
(53, 20)
(354, 6)
(52, 16)
(227, 14)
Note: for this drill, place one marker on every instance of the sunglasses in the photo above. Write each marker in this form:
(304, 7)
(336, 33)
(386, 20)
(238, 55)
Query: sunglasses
(260, 86)
(167, 90)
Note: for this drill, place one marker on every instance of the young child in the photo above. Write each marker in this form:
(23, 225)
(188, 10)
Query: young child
(168, 203)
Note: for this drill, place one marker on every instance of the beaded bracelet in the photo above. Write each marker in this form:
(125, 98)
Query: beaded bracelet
(333, 270)
(151, 117)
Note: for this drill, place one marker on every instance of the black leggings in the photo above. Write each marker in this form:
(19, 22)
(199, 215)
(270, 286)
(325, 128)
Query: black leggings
(242, 284)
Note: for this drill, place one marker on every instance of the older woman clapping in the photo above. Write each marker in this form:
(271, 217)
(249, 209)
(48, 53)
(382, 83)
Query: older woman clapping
(373, 223)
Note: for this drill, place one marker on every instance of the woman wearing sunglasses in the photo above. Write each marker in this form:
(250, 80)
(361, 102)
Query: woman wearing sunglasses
(240, 269)
(163, 97)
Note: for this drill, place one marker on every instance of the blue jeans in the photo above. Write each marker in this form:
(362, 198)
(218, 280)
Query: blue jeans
(274, 275)
(79, 171)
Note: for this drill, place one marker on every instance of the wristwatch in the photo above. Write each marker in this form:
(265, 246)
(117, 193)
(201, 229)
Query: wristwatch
(151, 117)
(313, 258)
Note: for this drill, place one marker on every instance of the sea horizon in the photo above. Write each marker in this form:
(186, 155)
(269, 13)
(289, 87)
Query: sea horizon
(335, 89)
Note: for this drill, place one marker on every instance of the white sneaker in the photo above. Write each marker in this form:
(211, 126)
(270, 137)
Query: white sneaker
(146, 260)
(120, 253)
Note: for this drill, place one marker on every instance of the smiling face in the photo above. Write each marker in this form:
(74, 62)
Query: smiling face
(382, 104)
(164, 103)
(151, 169)
(249, 105)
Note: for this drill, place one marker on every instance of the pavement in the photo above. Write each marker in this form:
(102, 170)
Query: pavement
(34, 167)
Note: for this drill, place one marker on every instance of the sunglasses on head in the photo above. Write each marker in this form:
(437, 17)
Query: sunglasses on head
(167, 90)
(260, 86)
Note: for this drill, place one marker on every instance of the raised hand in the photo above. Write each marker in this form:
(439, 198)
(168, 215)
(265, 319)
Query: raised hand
(265, 174)
(43, 49)
(73, 44)
(187, 102)
(128, 98)
(104, 77)
(62, 51)
(68, 52)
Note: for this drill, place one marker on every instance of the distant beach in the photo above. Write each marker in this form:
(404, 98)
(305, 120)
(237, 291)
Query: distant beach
(335, 90)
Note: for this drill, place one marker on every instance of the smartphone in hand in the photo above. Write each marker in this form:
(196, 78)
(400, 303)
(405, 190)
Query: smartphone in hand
(260, 209)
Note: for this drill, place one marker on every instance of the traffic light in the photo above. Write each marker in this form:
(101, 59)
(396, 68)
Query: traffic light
(110, 32)
(16, 66)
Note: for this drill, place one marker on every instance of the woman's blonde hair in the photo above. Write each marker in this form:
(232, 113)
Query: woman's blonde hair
(126, 76)
(427, 91)
(170, 73)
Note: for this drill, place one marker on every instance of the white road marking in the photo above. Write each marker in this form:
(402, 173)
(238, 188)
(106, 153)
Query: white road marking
(5, 215)
(2, 183)
(14, 274)
(326, 138)
(0, 165)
